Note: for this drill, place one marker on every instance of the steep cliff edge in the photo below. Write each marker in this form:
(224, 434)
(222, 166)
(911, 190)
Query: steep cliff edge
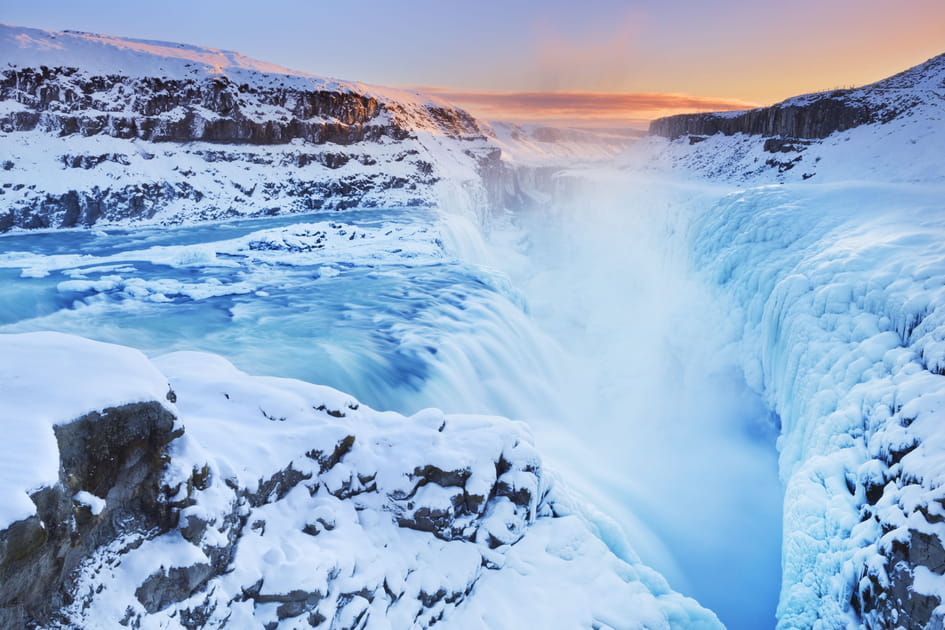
(888, 131)
(815, 116)
(111, 464)
(103, 129)
(840, 295)
(234, 501)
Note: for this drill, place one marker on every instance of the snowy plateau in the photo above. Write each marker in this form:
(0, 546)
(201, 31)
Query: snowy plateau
(693, 381)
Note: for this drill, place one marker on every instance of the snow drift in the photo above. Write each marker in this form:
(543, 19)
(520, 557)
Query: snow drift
(266, 502)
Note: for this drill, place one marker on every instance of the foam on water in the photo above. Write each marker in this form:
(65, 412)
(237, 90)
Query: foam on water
(585, 321)
(656, 423)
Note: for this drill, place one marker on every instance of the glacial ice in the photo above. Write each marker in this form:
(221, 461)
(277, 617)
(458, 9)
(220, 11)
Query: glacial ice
(839, 290)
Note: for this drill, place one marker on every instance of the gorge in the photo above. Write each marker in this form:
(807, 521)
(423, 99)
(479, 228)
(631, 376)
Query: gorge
(667, 319)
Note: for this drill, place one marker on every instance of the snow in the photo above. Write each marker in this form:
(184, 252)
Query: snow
(94, 53)
(338, 528)
(206, 181)
(900, 91)
(95, 504)
(298, 244)
(48, 380)
(837, 284)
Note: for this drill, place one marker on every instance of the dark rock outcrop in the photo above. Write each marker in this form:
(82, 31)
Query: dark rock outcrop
(65, 101)
(815, 120)
(890, 601)
(118, 455)
(815, 116)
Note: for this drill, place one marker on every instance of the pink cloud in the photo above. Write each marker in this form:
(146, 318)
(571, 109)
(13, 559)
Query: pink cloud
(579, 106)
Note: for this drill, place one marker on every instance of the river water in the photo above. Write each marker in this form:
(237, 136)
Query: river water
(583, 321)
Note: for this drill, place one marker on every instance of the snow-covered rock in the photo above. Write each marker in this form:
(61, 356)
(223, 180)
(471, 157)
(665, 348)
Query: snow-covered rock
(819, 114)
(253, 502)
(86, 428)
(103, 129)
(828, 247)
(891, 130)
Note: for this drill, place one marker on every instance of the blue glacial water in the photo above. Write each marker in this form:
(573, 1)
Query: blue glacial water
(399, 330)
(590, 341)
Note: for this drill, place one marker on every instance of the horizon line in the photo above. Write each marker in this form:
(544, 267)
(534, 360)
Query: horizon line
(579, 106)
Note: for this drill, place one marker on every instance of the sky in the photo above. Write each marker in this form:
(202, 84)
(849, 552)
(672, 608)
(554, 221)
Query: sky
(597, 62)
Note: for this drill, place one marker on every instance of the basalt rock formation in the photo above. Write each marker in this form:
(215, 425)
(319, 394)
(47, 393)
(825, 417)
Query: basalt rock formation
(815, 116)
(119, 456)
(103, 130)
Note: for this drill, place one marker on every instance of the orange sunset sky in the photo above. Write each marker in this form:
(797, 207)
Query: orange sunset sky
(600, 62)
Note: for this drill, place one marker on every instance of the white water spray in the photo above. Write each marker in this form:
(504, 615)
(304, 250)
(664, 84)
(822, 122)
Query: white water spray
(649, 416)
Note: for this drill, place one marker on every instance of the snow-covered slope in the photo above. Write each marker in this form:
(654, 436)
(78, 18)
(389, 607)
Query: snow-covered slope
(895, 133)
(233, 501)
(829, 253)
(103, 129)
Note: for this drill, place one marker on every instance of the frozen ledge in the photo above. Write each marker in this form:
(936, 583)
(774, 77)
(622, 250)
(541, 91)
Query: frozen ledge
(265, 502)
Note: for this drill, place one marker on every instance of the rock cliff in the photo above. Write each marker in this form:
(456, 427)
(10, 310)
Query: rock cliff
(101, 129)
(886, 131)
(118, 455)
(250, 502)
(815, 116)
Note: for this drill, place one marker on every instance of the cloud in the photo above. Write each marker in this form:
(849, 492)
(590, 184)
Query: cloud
(579, 106)
(595, 55)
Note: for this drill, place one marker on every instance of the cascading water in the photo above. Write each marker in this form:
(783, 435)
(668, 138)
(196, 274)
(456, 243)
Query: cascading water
(582, 319)
(653, 420)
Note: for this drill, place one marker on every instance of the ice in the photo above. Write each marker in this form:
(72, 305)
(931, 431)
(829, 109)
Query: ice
(326, 540)
(830, 284)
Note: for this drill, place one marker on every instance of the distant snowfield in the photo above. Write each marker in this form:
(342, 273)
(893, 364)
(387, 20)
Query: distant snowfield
(107, 54)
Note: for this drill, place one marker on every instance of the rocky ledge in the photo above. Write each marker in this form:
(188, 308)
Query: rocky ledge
(98, 129)
(815, 116)
(249, 502)
(68, 100)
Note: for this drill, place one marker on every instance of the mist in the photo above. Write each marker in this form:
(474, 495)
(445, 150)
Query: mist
(652, 418)
(583, 317)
